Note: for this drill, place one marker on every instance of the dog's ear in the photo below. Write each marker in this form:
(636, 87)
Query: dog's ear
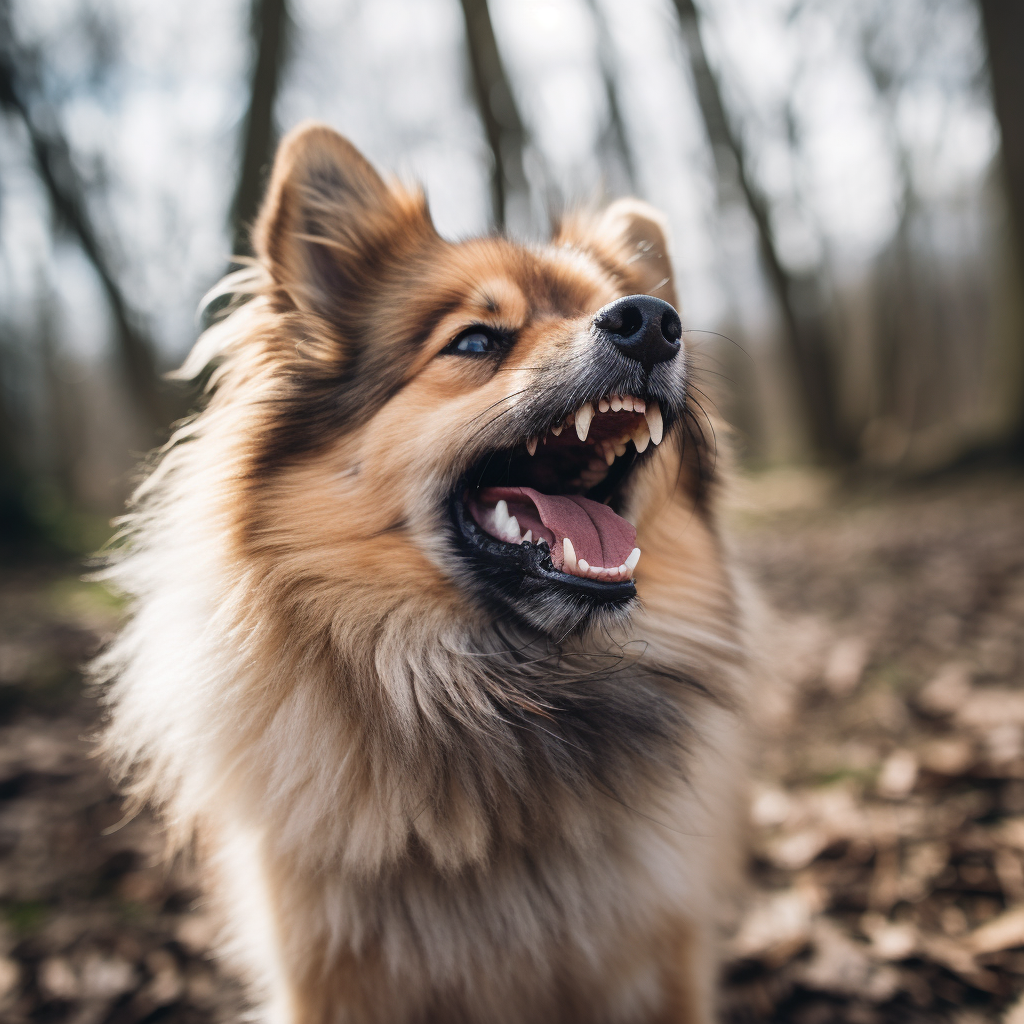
(329, 223)
(633, 235)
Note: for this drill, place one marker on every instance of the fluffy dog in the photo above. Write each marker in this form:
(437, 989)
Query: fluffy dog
(435, 648)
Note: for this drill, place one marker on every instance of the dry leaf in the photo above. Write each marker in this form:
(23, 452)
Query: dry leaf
(845, 666)
(776, 928)
(1003, 932)
(946, 692)
(898, 775)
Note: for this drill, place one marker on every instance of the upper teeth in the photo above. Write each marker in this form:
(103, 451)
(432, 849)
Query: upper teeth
(650, 428)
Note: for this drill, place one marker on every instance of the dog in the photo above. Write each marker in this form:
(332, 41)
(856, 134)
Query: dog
(436, 650)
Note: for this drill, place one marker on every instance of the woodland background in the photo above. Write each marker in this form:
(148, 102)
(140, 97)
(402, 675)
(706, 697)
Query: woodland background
(845, 184)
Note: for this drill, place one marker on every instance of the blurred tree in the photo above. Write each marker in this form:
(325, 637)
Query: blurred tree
(270, 27)
(22, 96)
(504, 128)
(1003, 22)
(17, 523)
(614, 137)
(798, 296)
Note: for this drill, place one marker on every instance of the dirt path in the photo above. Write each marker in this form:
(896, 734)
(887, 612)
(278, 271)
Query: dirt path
(888, 811)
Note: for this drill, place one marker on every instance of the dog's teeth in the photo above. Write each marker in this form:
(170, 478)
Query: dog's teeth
(603, 405)
(528, 537)
(569, 555)
(512, 530)
(620, 448)
(557, 429)
(616, 403)
(639, 405)
(641, 436)
(653, 417)
(582, 565)
(583, 417)
(627, 403)
(531, 446)
(621, 569)
(501, 516)
(609, 454)
(634, 557)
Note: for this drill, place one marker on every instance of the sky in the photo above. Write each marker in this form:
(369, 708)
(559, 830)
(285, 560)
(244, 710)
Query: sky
(157, 127)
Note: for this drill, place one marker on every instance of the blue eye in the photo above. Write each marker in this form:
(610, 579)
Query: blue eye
(474, 342)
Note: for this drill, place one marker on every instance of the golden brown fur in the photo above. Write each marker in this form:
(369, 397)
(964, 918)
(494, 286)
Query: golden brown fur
(413, 807)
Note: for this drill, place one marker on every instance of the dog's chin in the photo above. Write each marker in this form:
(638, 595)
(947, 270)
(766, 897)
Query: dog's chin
(540, 525)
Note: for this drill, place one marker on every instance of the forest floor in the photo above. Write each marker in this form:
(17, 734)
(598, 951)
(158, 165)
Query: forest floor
(887, 814)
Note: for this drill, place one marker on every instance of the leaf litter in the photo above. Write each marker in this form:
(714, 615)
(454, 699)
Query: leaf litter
(886, 876)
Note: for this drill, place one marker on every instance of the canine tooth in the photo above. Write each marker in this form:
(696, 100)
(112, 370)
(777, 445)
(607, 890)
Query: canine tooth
(501, 516)
(557, 429)
(528, 537)
(583, 417)
(616, 403)
(620, 449)
(568, 554)
(627, 403)
(603, 405)
(641, 436)
(653, 417)
(531, 446)
(634, 557)
(609, 454)
(512, 530)
(582, 565)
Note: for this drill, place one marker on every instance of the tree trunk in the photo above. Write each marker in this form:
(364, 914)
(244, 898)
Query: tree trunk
(614, 135)
(270, 27)
(798, 298)
(1003, 22)
(506, 134)
(66, 192)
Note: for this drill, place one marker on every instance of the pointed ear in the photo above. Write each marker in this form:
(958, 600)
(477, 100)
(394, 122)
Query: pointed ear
(329, 222)
(633, 235)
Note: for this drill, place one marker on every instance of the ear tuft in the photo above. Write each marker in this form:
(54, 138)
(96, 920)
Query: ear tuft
(634, 235)
(327, 216)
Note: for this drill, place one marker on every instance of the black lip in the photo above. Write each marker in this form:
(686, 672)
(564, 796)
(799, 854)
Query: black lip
(529, 560)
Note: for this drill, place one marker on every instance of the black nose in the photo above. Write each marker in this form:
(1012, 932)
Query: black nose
(641, 327)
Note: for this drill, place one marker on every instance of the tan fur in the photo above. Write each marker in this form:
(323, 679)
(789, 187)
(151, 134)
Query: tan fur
(307, 685)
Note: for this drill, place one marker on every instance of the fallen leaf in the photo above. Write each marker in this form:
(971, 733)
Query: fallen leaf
(1003, 932)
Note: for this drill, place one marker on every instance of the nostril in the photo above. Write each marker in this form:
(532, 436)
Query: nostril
(623, 321)
(671, 327)
(641, 327)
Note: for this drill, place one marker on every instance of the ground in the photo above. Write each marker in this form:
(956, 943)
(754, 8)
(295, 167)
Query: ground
(887, 817)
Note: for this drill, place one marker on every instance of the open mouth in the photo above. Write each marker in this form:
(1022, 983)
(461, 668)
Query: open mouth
(549, 508)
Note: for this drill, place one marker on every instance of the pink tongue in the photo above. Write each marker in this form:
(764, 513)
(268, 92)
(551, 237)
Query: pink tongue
(595, 531)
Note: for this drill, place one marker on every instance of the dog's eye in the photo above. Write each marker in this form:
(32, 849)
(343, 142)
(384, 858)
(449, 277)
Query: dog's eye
(475, 341)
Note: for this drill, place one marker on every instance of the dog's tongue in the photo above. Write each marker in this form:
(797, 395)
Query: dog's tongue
(595, 531)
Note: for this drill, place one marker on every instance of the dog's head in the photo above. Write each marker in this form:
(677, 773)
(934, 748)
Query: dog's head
(482, 421)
